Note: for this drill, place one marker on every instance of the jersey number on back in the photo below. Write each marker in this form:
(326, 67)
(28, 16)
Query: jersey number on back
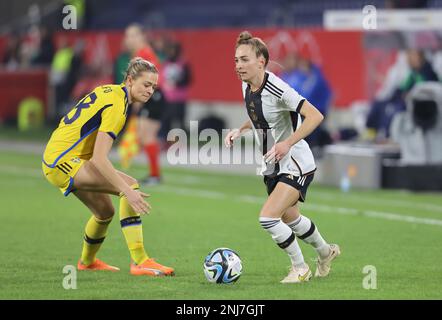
(80, 106)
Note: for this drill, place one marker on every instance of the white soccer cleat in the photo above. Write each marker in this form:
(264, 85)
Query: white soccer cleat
(323, 265)
(297, 275)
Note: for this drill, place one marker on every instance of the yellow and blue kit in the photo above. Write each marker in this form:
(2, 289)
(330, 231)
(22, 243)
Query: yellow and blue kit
(72, 143)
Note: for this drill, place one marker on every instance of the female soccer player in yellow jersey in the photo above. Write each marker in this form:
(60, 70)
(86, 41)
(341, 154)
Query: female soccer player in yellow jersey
(76, 161)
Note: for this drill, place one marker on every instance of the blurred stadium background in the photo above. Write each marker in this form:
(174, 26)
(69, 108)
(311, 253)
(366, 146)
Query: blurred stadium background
(378, 186)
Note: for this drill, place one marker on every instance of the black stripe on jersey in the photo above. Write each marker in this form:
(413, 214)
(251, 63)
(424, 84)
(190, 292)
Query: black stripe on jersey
(256, 114)
(64, 167)
(298, 108)
(299, 168)
(266, 77)
(126, 104)
(63, 170)
(272, 91)
(294, 117)
(310, 172)
(275, 87)
(93, 122)
(68, 165)
(254, 110)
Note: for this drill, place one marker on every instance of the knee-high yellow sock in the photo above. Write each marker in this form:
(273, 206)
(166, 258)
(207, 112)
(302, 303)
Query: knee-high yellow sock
(94, 235)
(132, 230)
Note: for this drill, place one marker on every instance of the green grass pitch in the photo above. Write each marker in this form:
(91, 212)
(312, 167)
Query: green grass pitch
(399, 233)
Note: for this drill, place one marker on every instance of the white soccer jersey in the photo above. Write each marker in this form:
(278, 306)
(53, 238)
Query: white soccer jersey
(274, 112)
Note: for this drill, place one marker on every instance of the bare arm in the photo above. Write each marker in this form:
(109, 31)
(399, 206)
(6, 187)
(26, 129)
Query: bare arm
(245, 127)
(236, 133)
(100, 160)
(312, 119)
(103, 145)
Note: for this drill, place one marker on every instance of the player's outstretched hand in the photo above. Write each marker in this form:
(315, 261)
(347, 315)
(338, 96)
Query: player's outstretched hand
(232, 135)
(136, 201)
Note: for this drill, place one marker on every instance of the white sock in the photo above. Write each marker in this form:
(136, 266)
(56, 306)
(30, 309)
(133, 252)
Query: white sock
(284, 238)
(306, 230)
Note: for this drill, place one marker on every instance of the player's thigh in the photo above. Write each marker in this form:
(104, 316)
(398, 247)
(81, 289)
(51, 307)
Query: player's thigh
(291, 214)
(89, 178)
(282, 197)
(99, 203)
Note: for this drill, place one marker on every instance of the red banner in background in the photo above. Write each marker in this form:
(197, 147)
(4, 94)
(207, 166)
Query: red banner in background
(210, 54)
(15, 86)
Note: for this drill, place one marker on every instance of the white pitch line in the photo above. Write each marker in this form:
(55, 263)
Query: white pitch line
(254, 199)
(403, 203)
(22, 171)
(318, 207)
(195, 180)
(370, 199)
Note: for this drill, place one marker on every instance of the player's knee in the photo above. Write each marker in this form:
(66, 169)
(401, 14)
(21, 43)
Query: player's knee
(105, 211)
(269, 213)
(290, 214)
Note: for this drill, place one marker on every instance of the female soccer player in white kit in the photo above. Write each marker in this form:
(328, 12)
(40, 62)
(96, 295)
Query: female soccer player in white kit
(275, 111)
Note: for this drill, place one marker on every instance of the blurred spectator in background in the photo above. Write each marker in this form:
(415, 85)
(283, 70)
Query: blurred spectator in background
(307, 78)
(121, 63)
(76, 70)
(30, 46)
(45, 51)
(421, 70)
(159, 45)
(418, 130)
(12, 58)
(60, 67)
(176, 81)
(66, 71)
(292, 73)
(149, 114)
(383, 110)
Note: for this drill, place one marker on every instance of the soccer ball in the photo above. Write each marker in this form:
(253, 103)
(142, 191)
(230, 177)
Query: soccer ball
(222, 265)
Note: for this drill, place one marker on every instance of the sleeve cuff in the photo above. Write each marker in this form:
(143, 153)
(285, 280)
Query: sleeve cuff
(298, 108)
(113, 136)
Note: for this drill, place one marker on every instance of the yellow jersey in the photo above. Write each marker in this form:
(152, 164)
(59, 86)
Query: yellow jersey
(104, 109)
